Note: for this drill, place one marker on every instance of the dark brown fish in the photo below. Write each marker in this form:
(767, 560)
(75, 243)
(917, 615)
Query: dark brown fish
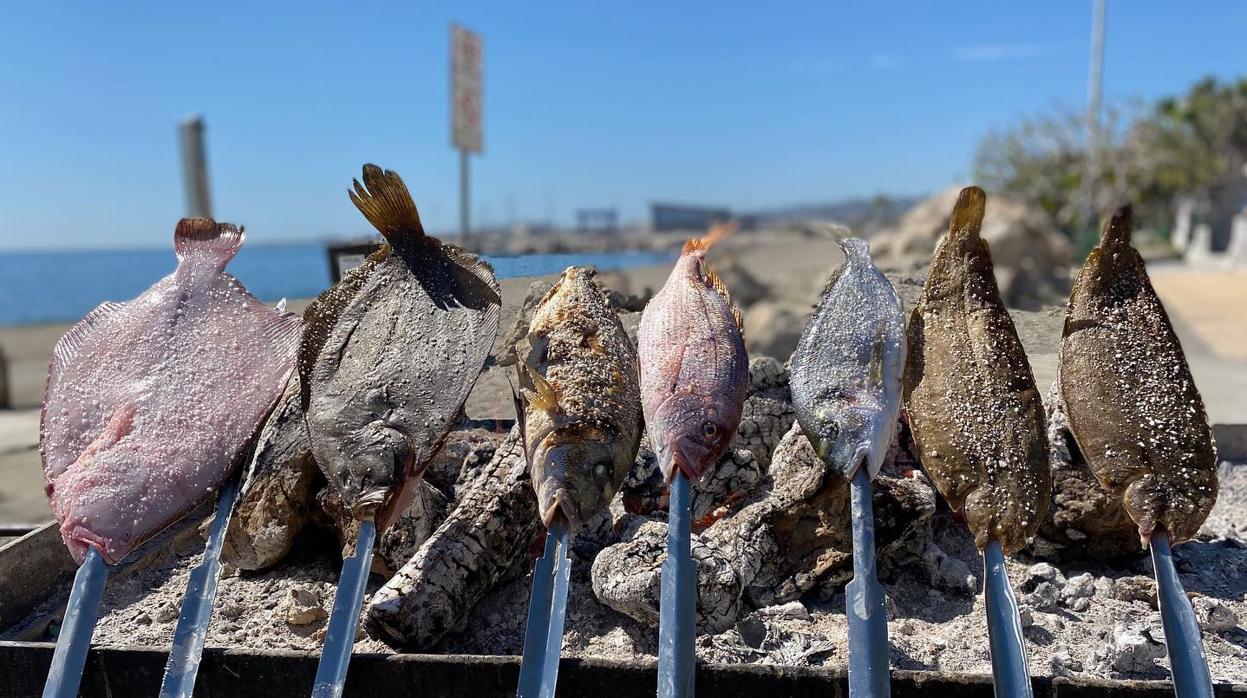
(694, 368)
(976, 416)
(581, 406)
(1132, 405)
(390, 353)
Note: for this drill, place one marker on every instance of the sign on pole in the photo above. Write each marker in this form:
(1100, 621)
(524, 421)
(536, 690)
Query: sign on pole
(466, 59)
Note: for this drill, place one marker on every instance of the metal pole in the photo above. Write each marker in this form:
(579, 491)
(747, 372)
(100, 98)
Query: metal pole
(1095, 79)
(463, 196)
(195, 168)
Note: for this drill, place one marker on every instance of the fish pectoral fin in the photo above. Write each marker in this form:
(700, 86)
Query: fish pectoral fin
(541, 395)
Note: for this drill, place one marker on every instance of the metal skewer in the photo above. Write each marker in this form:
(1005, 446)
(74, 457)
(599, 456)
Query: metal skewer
(868, 622)
(340, 638)
(192, 628)
(1010, 672)
(677, 623)
(1187, 662)
(74, 639)
(547, 606)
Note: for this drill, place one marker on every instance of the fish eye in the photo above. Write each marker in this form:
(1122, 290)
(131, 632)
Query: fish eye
(709, 430)
(601, 473)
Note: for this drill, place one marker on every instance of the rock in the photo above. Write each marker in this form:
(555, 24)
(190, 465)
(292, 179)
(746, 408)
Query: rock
(279, 488)
(948, 573)
(232, 610)
(142, 618)
(1084, 522)
(1213, 615)
(1031, 256)
(1136, 588)
(745, 288)
(1063, 663)
(519, 329)
(166, 612)
(302, 607)
(790, 535)
(1041, 572)
(1131, 650)
(1044, 597)
(626, 577)
(1079, 604)
(772, 328)
(793, 610)
(1080, 586)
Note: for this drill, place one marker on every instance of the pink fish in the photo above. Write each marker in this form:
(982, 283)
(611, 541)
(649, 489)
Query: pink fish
(150, 403)
(694, 369)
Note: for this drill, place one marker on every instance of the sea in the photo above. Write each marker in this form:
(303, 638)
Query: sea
(55, 287)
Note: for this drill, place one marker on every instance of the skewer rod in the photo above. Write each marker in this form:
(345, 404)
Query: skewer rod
(192, 628)
(677, 623)
(340, 638)
(1010, 672)
(537, 629)
(1187, 663)
(868, 622)
(74, 639)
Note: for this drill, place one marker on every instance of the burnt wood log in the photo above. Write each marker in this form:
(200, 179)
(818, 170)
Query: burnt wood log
(487, 534)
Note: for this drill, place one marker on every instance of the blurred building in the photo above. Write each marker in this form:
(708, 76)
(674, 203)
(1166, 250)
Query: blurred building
(597, 220)
(679, 217)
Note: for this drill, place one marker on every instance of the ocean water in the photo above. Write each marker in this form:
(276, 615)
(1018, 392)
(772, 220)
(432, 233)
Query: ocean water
(41, 287)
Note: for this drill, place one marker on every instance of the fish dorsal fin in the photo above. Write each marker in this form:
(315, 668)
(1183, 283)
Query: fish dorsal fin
(968, 212)
(541, 395)
(68, 346)
(386, 203)
(204, 237)
(1118, 229)
(716, 284)
(717, 232)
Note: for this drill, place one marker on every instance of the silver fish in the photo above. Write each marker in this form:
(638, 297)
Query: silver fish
(846, 371)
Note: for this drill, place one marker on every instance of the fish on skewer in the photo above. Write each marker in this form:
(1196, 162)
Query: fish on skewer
(387, 360)
(149, 405)
(1140, 422)
(579, 411)
(694, 375)
(845, 376)
(977, 419)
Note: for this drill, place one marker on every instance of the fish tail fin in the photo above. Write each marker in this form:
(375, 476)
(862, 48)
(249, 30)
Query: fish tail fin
(856, 251)
(204, 237)
(717, 232)
(1119, 227)
(386, 203)
(968, 212)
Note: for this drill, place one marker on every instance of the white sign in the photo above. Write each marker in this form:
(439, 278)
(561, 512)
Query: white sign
(467, 57)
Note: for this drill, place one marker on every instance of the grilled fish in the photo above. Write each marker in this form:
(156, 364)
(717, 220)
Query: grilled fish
(694, 369)
(976, 417)
(1131, 402)
(580, 410)
(846, 371)
(391, 352)
(150, 403)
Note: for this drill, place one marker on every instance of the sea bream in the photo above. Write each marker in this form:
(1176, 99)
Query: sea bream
(580, 404)
(975, 414)
(151, 402)
(1132, 404)
(845, 374)
(391, 352)
(694, 368)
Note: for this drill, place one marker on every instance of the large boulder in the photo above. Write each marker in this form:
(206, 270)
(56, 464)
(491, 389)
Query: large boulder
(1031, 256)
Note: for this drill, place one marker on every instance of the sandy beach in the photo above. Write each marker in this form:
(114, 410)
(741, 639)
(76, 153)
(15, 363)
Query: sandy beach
(1204, 304)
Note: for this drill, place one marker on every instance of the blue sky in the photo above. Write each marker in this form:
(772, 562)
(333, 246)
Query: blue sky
(743, 104)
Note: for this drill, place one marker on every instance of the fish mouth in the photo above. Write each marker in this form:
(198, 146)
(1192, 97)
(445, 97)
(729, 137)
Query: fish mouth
(559, 503)
(369, 504)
